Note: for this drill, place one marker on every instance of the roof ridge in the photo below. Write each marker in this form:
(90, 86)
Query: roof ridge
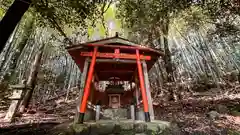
(109, 38)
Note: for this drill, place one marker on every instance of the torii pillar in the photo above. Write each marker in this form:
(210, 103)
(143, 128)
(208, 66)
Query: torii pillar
(148, 91)
(86, 92)
(142, 88)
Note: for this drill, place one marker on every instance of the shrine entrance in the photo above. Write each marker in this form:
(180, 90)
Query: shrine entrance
(115, 91)
(114, 77)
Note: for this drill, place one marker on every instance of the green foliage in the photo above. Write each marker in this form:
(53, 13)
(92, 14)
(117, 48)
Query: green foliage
(190, 18)
(232, 132)
(103, 26)
(5, 3)
(65, 12)
(65, 15)
(3, 6)
(1, 12)
(152, 11)
(224, 14)
(146, 17)
(28, 27)
(221, 8)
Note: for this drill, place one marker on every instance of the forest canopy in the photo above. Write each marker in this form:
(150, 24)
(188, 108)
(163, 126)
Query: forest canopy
(200, 38)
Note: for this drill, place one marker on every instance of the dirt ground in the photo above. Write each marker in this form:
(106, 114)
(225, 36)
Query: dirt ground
(191, 115)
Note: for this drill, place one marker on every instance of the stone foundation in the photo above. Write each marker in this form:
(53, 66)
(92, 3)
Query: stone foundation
(111, 114)
(126, 127)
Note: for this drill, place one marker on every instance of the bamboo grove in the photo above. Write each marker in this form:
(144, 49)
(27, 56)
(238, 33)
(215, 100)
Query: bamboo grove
(201, 43)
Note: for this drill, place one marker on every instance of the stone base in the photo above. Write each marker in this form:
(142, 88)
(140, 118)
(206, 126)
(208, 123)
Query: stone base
(111, 114)
(88, 115)
(140, 114)
(126, 127)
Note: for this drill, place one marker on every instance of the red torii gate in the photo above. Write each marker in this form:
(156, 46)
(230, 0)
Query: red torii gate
(116, 57)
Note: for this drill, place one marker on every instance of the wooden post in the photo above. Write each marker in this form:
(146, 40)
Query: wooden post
(92, 90)
(16, 99)
(136, 91)
(87, 86)
(82, 84)
(147, 86)
(142, 86)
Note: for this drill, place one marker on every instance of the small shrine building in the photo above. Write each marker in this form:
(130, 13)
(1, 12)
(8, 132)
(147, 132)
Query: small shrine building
(121, 63)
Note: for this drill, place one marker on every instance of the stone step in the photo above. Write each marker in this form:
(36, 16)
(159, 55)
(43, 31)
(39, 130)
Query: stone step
(122, 127)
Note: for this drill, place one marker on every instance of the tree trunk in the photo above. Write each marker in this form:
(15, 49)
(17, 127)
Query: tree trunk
(167, 57)
(9, 46)
(28, 28)
(11, 19)
(70, 76)
(32, 79)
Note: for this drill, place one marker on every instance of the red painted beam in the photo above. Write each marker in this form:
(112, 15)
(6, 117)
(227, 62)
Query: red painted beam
(117, 71)
(115, 55)
(117, 46)
(127, 47)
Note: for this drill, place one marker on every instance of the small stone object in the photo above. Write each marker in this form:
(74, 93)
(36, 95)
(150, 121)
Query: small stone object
(213, 115)
(221, 108)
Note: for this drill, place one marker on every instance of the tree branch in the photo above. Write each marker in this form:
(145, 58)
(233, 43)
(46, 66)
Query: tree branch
(104, 11)
(53, 21)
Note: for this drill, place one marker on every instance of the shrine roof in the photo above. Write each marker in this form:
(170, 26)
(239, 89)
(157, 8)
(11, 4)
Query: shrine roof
(106, 70)
(118, 41)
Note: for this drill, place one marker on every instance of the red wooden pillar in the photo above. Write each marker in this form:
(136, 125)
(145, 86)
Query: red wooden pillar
(142, 87)
(87, 86)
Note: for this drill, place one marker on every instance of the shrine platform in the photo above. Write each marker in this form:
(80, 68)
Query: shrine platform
(123, 127)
